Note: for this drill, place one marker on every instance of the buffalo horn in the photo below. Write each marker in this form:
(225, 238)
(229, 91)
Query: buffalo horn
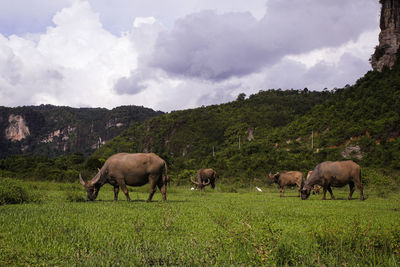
(96, 178)
(209, 181)
(191, 179)
(81, 180)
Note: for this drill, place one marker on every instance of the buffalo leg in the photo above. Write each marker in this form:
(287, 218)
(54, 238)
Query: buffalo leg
(324, 197)
(282, 190)
(163, 189)
(116, 191)
(330, 192)
(152, 189)
(125, 190)
(360, 187)
(352, 188)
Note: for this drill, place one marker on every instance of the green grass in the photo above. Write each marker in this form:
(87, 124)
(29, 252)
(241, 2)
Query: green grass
(200, 228)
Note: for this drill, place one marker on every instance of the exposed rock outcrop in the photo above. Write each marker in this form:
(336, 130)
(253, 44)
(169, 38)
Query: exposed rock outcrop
(351, 152)
(250, 134)
(389, 37)
(59, 134)
(17, 129)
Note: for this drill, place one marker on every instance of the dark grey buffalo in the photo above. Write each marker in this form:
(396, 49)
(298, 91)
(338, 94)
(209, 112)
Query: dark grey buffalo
(205, 177)
(334, 174)
(124, 169)
(287, 179)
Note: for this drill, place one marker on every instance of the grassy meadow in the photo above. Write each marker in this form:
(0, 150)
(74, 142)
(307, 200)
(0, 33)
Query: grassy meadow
(226, 226)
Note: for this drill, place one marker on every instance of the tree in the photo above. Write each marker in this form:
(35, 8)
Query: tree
(241, 97)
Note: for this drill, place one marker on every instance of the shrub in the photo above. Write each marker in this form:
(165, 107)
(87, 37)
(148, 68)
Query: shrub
(375, 177)
(13, 192)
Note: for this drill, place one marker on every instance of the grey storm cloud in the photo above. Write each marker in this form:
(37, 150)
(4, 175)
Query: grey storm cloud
(133, 84)
(212, 46)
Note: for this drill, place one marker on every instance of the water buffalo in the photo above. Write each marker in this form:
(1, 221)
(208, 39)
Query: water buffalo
(124, 169)
(316, 188)
(336, 174)
(287, 178)
(205, 177)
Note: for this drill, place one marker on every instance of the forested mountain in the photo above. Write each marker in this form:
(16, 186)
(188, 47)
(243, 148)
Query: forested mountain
(53, 131)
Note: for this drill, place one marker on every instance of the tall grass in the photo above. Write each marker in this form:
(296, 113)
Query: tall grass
(208, 227)
(15, 192)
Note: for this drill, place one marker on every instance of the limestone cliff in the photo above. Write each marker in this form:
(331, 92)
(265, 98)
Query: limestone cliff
(389, 37)
(17, 129)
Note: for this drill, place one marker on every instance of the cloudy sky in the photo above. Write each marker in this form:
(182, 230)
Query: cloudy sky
(178, 54)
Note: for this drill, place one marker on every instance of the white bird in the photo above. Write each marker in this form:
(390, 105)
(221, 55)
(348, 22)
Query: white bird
(259, 189)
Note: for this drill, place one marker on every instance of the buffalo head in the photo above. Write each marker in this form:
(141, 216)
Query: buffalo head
(274, 177)
(91, 187)
(305, 192)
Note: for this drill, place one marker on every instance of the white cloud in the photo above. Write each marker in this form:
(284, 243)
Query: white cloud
(207, 57)
(75, 63)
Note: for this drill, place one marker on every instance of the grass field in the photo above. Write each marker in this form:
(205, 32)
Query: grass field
(200, 228)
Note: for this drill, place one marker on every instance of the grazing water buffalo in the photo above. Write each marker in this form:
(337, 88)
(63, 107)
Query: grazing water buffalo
(124, 169)
(316, 188)
(336, 174)
(287, 178)
(205, 177)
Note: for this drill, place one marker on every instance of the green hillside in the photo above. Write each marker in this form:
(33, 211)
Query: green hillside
(366, 115)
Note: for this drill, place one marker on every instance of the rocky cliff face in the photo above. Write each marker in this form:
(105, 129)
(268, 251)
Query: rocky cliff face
(389, 37)
(17, 129)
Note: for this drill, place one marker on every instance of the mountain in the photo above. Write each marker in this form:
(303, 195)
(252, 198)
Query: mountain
(53, 131)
